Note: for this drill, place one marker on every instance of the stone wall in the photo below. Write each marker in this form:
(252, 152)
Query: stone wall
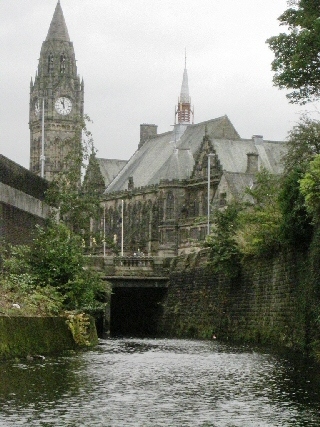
(31, 336)
(266, 304)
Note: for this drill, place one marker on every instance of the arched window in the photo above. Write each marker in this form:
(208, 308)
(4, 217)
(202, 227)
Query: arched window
(170, 206)
(62, 63)
(50, 63)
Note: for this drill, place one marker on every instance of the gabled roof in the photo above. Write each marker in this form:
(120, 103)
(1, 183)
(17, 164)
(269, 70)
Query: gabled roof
(237, 183)
(58, 29)
(167, 156)
(110, 168)
(233, 154)
(172, 155)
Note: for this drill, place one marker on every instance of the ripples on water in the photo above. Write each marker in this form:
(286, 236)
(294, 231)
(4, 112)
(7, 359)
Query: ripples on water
(132, 382)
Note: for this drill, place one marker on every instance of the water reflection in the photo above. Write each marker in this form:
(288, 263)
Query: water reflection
(161, 383)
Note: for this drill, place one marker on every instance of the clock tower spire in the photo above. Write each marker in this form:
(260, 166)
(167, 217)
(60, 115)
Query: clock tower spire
(56, 129)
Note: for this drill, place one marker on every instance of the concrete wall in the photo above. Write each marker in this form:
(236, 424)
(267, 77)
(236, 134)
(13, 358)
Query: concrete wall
(21, 202)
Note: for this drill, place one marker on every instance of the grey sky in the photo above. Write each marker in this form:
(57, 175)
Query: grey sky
(130, 54)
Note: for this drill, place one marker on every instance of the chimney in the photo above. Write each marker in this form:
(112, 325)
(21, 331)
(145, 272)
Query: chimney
(130, 183)
(257, 139)
(252, 163)
(147, 132)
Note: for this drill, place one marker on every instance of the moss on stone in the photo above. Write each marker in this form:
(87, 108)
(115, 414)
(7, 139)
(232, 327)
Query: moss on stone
(29, 336)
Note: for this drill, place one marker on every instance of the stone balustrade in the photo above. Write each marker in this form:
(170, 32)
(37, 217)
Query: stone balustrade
(133, 261)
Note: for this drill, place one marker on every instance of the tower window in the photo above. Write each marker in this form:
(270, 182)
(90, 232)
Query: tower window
(62, 63)
(50, 63)
(170, 206)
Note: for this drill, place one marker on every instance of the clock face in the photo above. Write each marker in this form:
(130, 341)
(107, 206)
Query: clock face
(37, 107)
(63, 105)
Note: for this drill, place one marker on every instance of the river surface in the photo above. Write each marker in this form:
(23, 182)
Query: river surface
(146, 382)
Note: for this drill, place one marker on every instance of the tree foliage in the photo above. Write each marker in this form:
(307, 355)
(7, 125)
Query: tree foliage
(310, 188)
(296, 229)
(19, 291)
(259, 222)
(297, 61)
(303, 145)
(76, 203)
(56, 259)
(51, 274)
(225, 255)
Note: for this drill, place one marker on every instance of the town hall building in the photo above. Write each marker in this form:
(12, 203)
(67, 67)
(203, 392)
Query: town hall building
(159, 201)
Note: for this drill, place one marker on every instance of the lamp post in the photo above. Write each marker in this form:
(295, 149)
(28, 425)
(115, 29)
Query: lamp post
(122, 227)
(104, 230)
(208, 211)
(42, 157)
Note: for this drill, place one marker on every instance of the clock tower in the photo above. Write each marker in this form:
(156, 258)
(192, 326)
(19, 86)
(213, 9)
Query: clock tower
(56, 102)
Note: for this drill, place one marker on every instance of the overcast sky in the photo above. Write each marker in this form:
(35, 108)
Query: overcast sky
(130, 54)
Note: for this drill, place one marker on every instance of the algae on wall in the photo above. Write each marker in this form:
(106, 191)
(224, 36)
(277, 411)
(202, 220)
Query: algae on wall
(267, 303)
(23, 336)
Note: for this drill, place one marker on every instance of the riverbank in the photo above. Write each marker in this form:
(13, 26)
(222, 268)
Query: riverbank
(22, 337)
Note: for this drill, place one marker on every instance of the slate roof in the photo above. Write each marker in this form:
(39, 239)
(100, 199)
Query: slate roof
(233, 154)
(164, 158)
(110, 168)
(237, 183)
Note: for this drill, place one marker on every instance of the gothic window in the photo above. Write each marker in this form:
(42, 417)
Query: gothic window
(50, 63)
(160, 209)
(196, 208)
(62, 63)
(223, 199)
(170, 206)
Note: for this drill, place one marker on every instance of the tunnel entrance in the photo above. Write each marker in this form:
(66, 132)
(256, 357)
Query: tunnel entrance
(136, 311)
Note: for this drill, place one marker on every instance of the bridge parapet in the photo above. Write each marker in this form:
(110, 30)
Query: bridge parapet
(138, 266)
(134, 261)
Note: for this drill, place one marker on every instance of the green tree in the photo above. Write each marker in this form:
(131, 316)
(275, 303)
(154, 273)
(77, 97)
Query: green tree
(295, 228)
(297, 61)
(224, 254)
(259, 222)
(303, 145)
(310, 188)
(56, 259)
(76, 203)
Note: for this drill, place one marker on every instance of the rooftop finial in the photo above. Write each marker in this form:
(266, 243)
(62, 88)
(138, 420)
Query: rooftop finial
(185, 58)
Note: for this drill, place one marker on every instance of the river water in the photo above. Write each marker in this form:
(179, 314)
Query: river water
(147, 382)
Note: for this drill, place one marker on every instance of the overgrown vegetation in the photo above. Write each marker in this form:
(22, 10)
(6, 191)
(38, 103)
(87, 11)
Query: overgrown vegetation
(247, 228)
(282, 210)
(49, 276)
(77, 203)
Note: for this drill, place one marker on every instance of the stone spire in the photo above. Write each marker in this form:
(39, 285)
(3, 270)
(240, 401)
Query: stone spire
(184, 94)
(184, 110)
(57, 83)
(58, 29)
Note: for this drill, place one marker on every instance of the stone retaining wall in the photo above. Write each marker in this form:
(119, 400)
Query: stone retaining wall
(31, 336)
(266, 304)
